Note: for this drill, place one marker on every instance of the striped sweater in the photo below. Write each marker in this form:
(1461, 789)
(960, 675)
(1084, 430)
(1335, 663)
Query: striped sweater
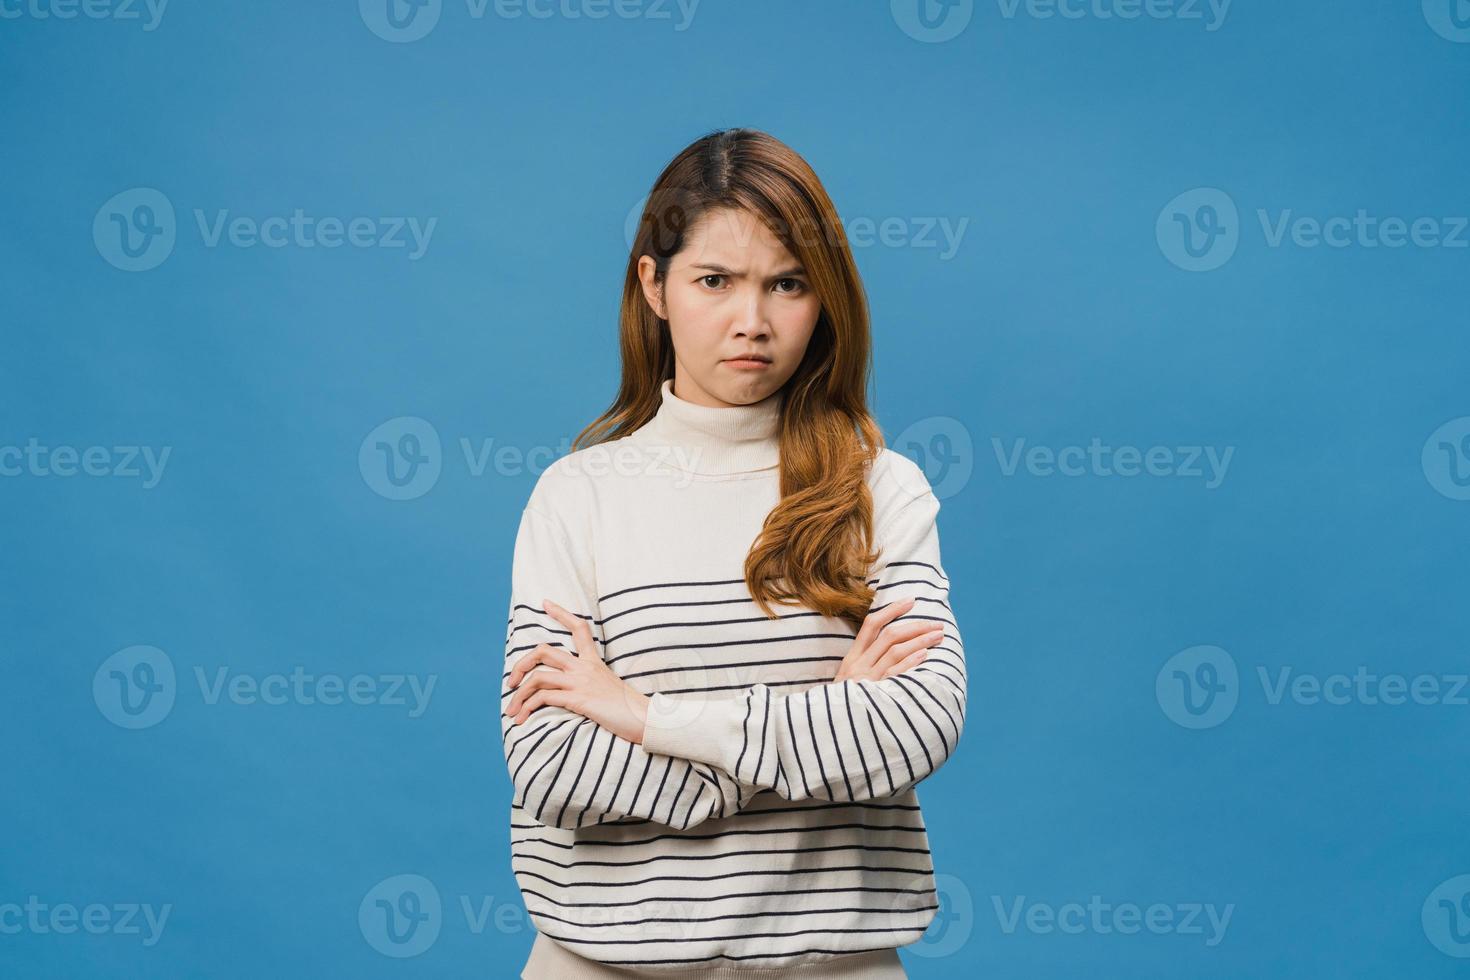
(769, 818)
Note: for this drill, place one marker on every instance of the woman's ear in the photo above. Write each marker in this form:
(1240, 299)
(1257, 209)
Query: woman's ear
(647, 272)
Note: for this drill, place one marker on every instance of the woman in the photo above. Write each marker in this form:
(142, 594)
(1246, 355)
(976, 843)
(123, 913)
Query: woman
(705, 785)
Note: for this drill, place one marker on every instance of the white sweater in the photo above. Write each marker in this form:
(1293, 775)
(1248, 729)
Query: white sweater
(769, 818)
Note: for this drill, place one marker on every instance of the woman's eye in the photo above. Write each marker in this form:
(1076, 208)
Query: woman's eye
(716, 279)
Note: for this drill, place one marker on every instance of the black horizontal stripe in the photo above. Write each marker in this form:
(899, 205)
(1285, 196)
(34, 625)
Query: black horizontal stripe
(733, 665)
(707, 623)
(743, 600)
(775, 872)
(795, 807)
(551, 625)
(727, 896)
(741, 581)
(937, 658)
(668, 585)
(908, 581)
(719, 856)
(922, 564)
(809, 829)
(823, 805)
(753, 641)
(729, 602)
(744, 935)
(734, 915)
(927, 619)
(644, 961)
(809, 681)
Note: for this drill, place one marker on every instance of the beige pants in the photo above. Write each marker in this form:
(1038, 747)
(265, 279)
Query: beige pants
(551, 960)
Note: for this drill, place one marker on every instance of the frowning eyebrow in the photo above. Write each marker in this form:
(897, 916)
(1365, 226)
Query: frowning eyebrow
(795, 270)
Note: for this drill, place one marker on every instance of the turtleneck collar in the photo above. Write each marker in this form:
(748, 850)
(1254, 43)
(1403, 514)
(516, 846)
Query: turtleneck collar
(716, 441)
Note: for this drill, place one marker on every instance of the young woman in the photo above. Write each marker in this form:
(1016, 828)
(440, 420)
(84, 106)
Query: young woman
(731, 654)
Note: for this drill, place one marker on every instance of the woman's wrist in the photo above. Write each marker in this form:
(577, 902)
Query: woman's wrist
(640, 712)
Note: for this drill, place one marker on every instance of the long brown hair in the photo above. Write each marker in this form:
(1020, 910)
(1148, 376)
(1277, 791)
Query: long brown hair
(815, 547)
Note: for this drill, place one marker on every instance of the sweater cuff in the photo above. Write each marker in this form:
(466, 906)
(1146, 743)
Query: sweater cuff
(696, 729)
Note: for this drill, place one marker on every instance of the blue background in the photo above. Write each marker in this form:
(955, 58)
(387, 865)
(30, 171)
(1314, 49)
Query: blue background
(1060, 318)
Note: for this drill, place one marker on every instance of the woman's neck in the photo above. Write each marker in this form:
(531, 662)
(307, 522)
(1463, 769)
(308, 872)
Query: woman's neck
(716, 441)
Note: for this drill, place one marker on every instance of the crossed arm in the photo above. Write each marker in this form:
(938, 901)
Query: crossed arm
(702, 758)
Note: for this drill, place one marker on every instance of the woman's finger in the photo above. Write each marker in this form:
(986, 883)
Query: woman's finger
(537, 680)
(901, 651)
(874, 622)
(580, 629)
(908, 663)
(546, 662)
(543, 655)
(862, 660)
(896, 634)
(524, 665)
(538, 700)
(888, 629)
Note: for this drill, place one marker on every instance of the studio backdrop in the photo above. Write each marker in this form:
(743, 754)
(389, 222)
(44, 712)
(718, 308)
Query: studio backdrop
(1168, 301)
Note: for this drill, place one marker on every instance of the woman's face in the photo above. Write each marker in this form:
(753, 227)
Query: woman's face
(733, 290)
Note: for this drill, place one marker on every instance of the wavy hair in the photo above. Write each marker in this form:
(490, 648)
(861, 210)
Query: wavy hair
(815, 547)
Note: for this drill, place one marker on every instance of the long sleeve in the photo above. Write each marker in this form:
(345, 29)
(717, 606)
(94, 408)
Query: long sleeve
(567, 771)
(848, 740)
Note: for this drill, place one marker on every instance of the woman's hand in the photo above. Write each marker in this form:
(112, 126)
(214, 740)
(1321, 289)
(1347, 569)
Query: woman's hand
(583, 684)
(883, 648)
